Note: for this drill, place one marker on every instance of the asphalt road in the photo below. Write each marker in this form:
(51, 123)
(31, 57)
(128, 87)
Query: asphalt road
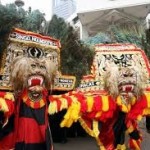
(77, 143)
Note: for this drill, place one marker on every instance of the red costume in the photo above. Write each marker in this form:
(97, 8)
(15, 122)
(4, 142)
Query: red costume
(28, 126)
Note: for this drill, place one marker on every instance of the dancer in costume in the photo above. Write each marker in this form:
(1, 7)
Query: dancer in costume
(25, 119)
(34, 61)
(110, 102)
(29, 68)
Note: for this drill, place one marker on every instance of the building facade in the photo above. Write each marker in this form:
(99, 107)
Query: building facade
(96, 16)
(63, 8)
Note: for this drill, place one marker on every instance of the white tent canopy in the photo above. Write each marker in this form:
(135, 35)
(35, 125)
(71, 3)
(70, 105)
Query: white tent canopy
(105, 14)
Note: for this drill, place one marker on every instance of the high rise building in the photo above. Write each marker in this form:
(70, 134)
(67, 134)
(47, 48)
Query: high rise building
(64, 8)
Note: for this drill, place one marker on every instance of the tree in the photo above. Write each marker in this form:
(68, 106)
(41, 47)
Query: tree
(76, 58)
(98, 38)
(134, 34)
(33, 20)
(58, 29)
(12, 17)
(146, 43)
(9, 18)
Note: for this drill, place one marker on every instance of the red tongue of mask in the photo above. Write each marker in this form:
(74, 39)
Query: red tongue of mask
(128, 88)
(35, 82)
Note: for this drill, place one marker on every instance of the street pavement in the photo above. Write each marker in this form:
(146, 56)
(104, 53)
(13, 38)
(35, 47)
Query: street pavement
(146, 137)
(89, 143)
(77, 143)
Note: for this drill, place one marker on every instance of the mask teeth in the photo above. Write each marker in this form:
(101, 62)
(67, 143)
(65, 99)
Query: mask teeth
(35, 77)
(124, 88)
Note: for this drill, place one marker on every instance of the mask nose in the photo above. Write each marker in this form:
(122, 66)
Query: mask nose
(37, 70)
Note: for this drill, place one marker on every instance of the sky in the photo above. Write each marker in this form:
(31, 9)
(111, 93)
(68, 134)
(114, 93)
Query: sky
(45, 6)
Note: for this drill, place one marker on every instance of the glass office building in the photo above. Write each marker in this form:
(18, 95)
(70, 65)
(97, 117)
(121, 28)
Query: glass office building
(64, 8)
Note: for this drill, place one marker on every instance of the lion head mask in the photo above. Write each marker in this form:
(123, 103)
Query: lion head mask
(129, 80)
(33, 74)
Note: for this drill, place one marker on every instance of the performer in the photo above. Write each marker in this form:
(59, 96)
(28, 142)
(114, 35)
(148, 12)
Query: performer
(34, 74)
(24, 117)
(109, 113)
(105, 113)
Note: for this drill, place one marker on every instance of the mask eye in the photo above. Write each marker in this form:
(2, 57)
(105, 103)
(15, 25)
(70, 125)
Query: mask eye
(42, 67)
(125, 75)
(131, 75)
(33, 66)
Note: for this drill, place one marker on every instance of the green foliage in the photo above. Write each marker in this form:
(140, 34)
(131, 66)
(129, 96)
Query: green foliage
(9, 18)
(146, 43)
(58, 28)
(117, 35)
(32, 21)
(12, 17)
(76, 58)
(97, 39)
(134, 35)
(129, 34)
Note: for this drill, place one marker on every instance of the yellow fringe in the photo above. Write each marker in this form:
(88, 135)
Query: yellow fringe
(52, 108)
(90, 102)
(3, 105)
(130, 129)
(64, 103)
(86, 128)
(94, 133)
(98, 114)
(133, 100)
(100, 144)
(105, 103)
(95, 128)
(9, 96)
(72, 115)
(121, 147)
(123, 107)
(147, 94)
(136, 145)
(139, 118)
(146, 111)
(102, 148)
